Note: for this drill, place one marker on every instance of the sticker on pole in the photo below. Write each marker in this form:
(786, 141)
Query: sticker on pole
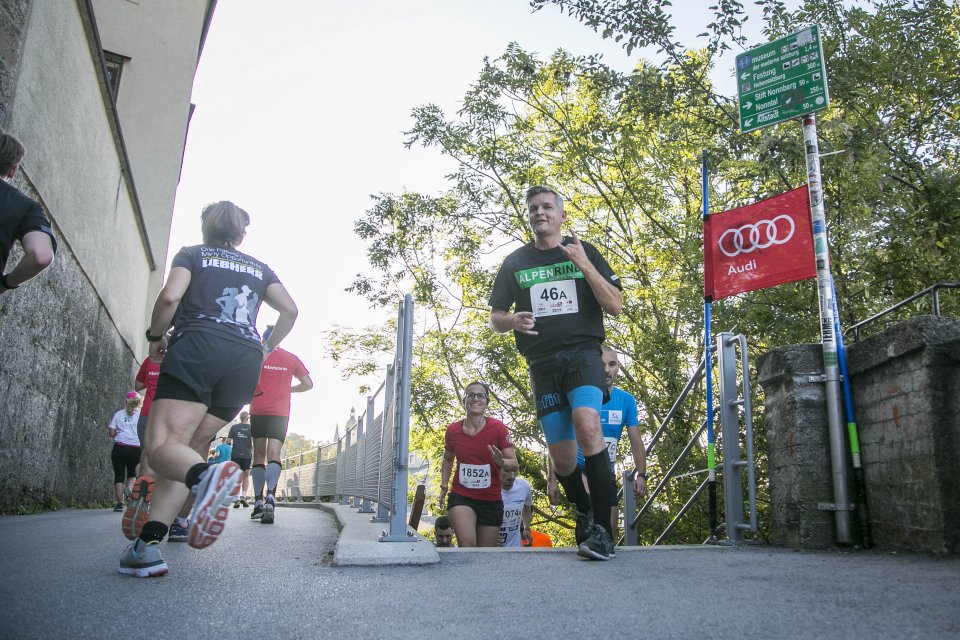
(782, 80)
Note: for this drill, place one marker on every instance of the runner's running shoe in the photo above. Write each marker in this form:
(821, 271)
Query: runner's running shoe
(138, 507)
(217, 487)
(236, 503)
(599, 546)
(244, 503)
(118, 506)
(143, 560)
(268, 509)
(179, 530)
(257, 510)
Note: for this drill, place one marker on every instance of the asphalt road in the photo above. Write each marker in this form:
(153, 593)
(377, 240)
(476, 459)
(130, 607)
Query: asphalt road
(58, 579)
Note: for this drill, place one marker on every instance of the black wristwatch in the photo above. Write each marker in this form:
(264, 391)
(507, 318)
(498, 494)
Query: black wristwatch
(151, 338)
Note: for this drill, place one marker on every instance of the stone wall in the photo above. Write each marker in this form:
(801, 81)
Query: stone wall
(14, 16)
(906, 384)
(798, 455)
(906, 388)
(63, 371)
(63, 364)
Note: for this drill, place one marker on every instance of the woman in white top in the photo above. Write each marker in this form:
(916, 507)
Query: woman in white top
(126, 446)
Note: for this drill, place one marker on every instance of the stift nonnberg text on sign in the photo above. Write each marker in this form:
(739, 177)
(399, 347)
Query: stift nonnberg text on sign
(782, 80)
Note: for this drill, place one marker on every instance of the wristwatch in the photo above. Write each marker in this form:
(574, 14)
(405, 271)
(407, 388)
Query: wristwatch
(151, 338)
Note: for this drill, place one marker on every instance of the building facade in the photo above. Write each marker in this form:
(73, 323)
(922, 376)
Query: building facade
(99, 93)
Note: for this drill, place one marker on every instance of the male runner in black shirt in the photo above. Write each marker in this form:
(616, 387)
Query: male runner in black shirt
(559, 289)
(23, 219)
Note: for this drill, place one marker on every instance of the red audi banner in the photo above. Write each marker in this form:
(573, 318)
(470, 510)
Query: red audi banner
(758, 246)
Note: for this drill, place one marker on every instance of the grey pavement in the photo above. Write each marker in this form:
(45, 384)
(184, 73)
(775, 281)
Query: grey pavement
(58, 579)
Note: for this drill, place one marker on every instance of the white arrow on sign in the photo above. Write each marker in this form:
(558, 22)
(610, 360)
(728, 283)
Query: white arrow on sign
(748, 105)
(744, 75)
(748, 122)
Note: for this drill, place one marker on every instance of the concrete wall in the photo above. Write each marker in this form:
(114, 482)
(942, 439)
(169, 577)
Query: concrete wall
(71, 340)
(73, 162)
(153, 100)
(906, 390)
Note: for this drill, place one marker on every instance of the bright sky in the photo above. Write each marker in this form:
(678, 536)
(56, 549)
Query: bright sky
(300, 109)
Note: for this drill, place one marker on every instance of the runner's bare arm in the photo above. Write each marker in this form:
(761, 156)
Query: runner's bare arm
(608, 296)
(279, 299)
(306, 383)
(521, 322)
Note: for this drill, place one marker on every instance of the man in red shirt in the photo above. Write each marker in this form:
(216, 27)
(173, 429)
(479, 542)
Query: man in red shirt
(269, 416)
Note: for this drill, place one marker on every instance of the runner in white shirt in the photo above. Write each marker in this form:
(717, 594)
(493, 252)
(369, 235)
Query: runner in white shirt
(517, 510)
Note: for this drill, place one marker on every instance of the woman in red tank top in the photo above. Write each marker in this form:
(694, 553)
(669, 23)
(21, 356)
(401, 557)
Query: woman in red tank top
(481, 447)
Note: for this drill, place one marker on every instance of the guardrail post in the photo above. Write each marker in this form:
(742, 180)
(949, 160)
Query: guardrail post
(629, 510)
(398, 520)
(365, 506)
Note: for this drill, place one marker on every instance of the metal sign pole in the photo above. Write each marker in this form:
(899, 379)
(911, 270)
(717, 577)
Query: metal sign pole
(838, 460)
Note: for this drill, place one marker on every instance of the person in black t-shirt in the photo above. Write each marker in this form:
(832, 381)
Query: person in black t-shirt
(559, 289)
(23, 219)
(241, 438)
(209, 370)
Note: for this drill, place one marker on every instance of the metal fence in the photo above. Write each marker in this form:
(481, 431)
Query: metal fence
(368, 464)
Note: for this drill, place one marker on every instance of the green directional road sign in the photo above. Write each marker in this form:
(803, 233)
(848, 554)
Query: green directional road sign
(782, 80)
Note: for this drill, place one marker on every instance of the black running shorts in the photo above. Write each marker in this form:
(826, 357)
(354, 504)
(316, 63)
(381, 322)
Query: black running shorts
(274, 427)
(489, 514)
(553, 378)
(217, 372)
(124, 460)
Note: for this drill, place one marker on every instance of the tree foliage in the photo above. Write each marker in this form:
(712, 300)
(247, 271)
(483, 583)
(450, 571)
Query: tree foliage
(624, 149)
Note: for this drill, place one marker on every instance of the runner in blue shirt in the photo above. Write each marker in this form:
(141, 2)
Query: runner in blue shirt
(619, 412)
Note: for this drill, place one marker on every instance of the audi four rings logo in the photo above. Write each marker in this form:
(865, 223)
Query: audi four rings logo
(759, 235)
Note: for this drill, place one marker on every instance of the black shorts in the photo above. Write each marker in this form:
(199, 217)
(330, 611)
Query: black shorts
(217, 372)
(269, 427)
(124, 460)
(552, 379)
(243, 463)
(489, 514)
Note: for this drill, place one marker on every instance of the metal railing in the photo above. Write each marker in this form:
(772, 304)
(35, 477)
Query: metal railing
(732, 399)
(369, 463)
(933, 292)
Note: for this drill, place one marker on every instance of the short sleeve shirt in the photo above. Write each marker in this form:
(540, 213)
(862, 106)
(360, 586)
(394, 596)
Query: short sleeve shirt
(272, 396)
(225, 292)
(148, 375)
(19, 215)
(476, 474)
(126, 427)
(619, 412)
(224, 452)
(548, 284)
(242, 441)
(514, 501)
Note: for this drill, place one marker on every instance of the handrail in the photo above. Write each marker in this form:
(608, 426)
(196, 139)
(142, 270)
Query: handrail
(669, 474)
(932, 290)
(694, 378)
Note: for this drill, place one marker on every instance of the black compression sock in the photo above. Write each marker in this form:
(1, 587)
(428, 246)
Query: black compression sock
(153, 531)
(193, 476)
(599, 481)
(573, 488)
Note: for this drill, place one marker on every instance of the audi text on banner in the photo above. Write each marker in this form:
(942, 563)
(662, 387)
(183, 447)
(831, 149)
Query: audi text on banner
(758, 246)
